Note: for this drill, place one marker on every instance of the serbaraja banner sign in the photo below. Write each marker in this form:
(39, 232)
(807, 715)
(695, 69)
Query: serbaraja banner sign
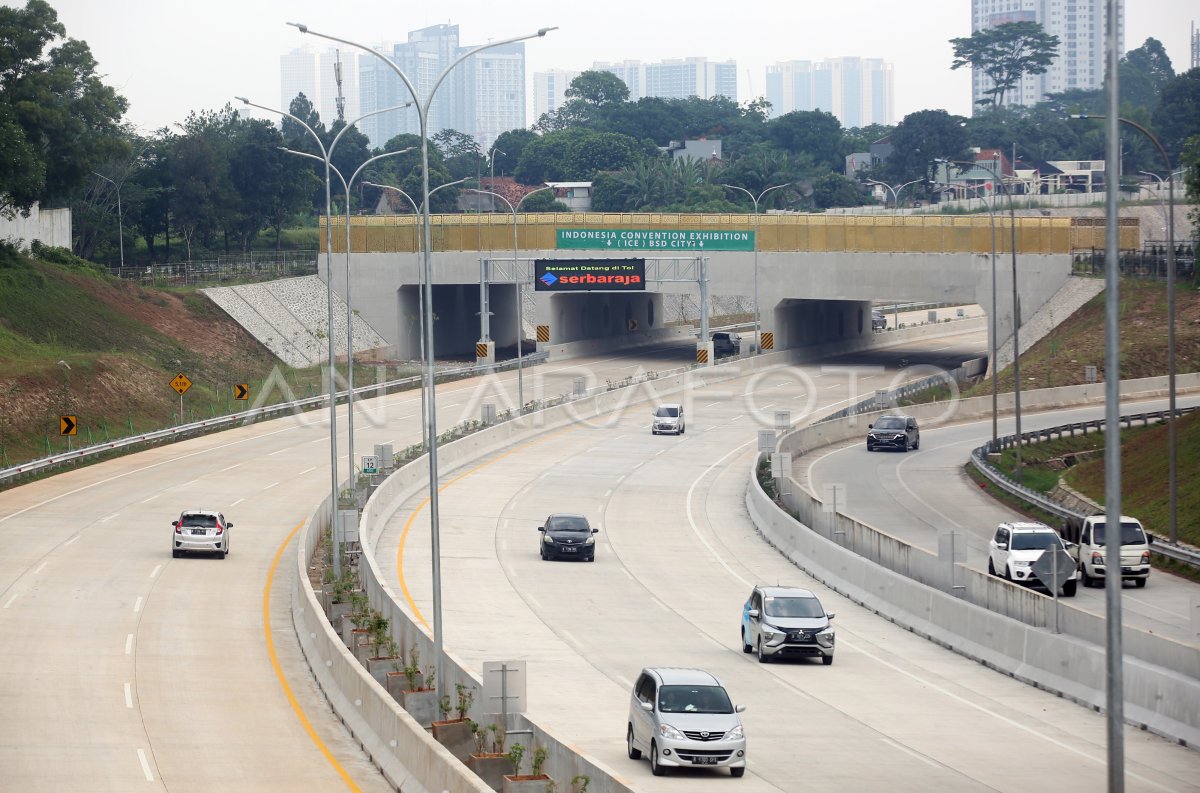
(589, 275)
(655, 239)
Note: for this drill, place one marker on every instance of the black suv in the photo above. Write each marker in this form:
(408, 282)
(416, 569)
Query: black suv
(726, 344)
(878, 321)
(894, 432)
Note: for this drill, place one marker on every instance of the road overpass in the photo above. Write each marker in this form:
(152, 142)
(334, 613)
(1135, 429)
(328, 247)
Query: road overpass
(817, 275)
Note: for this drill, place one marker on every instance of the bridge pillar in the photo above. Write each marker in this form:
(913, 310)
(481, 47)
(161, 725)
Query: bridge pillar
(704, 353)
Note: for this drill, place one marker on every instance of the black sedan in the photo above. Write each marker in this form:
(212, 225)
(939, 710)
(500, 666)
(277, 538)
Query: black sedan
(568, 537)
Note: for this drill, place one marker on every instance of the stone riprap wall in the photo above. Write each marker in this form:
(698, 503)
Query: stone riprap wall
(290, 317)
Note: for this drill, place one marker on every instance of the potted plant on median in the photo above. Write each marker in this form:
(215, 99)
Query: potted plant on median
(364, 636)
(487, 761)
(340, 591)
(420, 698)
(535, 782)
(386, 649)
(457, 733)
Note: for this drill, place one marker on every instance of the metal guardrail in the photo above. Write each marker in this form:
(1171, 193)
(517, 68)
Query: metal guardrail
(244, 417)
(979, 458)
(874, 403)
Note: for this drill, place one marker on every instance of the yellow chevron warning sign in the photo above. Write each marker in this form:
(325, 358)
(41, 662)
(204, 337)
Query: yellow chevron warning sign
(768, 340)
(481, 350)
(543, 333)
(701, 355)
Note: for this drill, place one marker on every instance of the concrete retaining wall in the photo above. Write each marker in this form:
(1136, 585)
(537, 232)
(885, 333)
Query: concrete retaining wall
(1000, 624)
(403, 750)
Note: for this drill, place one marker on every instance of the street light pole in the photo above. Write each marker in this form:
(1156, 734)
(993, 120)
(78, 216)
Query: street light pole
(1172, 450)
(333, 456)
(431, 430)
(518, 284)
(120, 218)
(349, 305)
(895, 191)
(492, 165)
(420, 291)
(1162, 202)
(757, 312)
(995, 309)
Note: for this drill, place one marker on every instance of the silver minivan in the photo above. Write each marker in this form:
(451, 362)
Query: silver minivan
(684, 718)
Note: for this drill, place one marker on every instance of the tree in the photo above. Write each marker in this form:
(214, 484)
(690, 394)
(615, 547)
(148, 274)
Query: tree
(460, 152)
(507, 149)
(271, 185)
(812, 132)
(1178, 115)
(858, 139)
(1005, 54)
(598, 88)
(353, 149)
(921, 138)
(199, 163)
(1143, 73)
(544, 202)
(57, 119)
(835, 190)
(148, 210)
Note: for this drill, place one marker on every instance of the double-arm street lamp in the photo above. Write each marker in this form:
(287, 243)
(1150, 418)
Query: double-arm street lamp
(431, 418)
(326, 155)
(518, 285)
(1012, 213)
(1172, 494)
(420, 292)
(120, 217)
(757, 313)
(346, 184)
(492, 152)
(895, 191)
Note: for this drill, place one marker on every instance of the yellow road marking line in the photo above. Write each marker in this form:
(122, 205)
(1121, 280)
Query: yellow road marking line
(408, 524)
(287, 690)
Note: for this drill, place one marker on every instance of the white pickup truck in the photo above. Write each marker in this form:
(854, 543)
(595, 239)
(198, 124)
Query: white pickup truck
(1092, 554)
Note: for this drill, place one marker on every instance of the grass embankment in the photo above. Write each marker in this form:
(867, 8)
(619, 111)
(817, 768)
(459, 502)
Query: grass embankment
(119, 346)
(1144, 477)
(1061, 359)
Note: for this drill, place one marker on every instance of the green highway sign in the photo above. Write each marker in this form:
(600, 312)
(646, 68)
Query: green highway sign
(654, 240)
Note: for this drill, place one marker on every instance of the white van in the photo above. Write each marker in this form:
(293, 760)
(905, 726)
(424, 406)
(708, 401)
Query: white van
(1092, 553)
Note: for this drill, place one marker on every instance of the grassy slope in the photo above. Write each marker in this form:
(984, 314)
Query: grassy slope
(122, 343)
(1060, 358)
(1144, 478)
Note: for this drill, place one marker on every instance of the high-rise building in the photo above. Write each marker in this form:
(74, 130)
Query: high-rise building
(482, 97)
(312, 73)
(676, 79)
(857, 91)
(1079, 25)
(549, 89)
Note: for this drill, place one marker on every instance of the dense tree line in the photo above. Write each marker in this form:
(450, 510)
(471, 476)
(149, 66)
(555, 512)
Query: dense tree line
(220, 180)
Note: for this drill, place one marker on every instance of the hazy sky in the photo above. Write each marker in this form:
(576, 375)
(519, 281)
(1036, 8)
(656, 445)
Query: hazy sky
(173, 56)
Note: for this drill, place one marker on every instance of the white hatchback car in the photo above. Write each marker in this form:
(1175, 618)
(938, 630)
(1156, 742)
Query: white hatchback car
(200, 530)
(668, 418)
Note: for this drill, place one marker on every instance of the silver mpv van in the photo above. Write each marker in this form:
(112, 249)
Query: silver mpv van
(683, 717)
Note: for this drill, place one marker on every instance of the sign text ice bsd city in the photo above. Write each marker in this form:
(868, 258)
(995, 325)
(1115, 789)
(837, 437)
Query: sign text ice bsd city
(589, 275)
(655, 239)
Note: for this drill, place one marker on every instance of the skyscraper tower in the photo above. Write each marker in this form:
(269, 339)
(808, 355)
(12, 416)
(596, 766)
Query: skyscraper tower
(1079, 25)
